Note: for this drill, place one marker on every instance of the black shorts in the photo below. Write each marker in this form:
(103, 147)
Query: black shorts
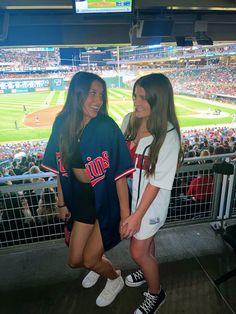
(85, 208)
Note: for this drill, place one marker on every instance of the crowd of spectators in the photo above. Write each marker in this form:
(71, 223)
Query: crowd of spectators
(201, 138)
(193, 190)
(208, 79)
(22, 149)
(18, 158)
(205, 82)
(30, 214)
(22, 58)
(26, 216)
(65, 73)
(167, 52)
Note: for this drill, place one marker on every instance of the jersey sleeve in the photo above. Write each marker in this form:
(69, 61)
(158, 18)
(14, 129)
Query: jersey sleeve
(167, 162)
(49, 160)
(121, 159)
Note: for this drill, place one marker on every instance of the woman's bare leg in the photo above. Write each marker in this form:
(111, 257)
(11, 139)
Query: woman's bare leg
(79, 237)
(142, 253)
(93, 255)
(86, 250)
(152, 247)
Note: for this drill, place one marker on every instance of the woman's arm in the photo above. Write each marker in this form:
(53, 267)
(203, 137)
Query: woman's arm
(63, 210)
(132, 223)
(123, 196)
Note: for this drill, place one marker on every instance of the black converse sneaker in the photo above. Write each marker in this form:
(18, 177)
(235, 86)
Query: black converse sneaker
(151, 303)
(135, 279)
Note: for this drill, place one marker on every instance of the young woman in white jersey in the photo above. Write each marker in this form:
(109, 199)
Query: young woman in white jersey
(153, 137)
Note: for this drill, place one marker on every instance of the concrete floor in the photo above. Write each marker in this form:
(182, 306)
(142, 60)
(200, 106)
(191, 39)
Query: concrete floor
(35, 279)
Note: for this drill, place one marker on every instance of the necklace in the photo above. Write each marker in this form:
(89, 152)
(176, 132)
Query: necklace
(80, 133)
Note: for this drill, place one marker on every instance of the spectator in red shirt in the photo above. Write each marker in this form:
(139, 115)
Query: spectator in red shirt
(201, 188)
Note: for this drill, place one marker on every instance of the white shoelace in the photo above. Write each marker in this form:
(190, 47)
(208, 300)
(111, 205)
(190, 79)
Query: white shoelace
(148, 303)
(138, 275)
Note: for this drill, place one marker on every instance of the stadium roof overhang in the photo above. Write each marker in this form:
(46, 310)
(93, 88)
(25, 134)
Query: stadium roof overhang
(54, 23)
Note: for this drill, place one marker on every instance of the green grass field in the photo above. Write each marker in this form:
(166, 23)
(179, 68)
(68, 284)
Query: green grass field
(191, 112)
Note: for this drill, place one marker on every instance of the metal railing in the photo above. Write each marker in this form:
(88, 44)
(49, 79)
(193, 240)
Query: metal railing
(28, 211)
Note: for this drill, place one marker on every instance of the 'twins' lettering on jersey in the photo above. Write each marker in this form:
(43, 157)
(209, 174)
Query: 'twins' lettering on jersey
(96, 168)
(62, 170)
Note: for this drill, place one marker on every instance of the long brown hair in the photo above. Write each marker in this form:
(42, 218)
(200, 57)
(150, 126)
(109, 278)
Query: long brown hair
(159, 95)
(72, 112)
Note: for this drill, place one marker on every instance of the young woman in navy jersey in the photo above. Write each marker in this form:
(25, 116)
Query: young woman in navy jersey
(88, 152)
(153, 137)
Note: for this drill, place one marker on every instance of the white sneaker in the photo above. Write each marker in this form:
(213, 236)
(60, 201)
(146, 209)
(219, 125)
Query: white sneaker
(90, 279)
(111, 290)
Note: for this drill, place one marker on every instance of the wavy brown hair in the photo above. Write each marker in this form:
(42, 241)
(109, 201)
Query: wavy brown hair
(72, 112)
(159, 95)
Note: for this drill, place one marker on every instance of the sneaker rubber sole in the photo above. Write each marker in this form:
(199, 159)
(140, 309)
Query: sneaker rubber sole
(160, 305)
(133, 284)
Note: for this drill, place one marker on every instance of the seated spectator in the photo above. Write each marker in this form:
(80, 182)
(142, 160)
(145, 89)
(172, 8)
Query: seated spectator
(201, 188)
(16, 168)
(204, 145)
(211, 149)
(205, 153)
(47, 209)
(35, 170)
(25, 209)
(191, 154)
(23, 164)
(219, 150)
(32, 200)
(197, 150)
(15, 219)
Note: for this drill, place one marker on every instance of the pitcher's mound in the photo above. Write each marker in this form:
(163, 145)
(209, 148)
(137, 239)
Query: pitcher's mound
(43, 118)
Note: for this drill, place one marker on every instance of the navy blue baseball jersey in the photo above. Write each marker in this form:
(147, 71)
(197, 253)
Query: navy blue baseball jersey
(107, 159)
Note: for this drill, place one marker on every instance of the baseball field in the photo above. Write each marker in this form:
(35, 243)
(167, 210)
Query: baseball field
(28, 116)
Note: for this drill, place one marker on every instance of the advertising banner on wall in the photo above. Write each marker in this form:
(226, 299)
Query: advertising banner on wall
(31, 85)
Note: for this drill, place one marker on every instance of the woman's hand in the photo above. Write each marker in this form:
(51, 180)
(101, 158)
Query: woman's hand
(64, 213)
(122, 228)
(131, 225)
